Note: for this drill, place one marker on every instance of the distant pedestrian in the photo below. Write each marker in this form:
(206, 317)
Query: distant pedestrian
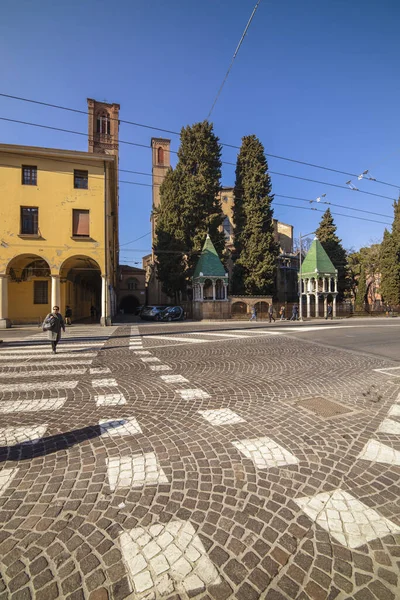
(295, 313)
(68, 315)
(329, 313)
(388, 310)
(282, 312)
(53, 324)
(253, 314)
(271, 313)
(92, 313)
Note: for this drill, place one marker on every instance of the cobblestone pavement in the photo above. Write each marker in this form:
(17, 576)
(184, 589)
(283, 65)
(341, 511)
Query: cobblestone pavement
(162, 462)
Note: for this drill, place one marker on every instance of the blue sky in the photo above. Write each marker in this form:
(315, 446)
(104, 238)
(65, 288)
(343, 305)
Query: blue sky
(316, 80)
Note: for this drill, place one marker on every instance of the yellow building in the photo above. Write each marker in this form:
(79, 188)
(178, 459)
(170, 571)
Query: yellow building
(58, 231)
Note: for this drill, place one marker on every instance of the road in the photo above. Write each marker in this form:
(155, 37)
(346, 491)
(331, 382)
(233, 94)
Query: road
(201, 460)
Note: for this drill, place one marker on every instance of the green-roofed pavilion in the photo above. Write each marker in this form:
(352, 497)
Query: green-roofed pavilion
(318, 279)
(210, 280)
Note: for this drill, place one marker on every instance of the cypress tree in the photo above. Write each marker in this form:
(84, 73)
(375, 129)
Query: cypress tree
(390, 261)
(255, 247)
(189, 207)
(332, 244)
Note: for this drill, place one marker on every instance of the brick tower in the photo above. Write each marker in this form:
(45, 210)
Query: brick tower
(103, 127)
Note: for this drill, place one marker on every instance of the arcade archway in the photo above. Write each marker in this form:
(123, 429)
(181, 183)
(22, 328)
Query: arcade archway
(80, 279)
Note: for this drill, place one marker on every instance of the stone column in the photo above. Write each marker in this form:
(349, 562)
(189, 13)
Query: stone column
(324, 284)
(325, 305)
(55, 291)
(316, 305)
(308, 306)
(334, 306)
(225, 291)
(4, 320)
(104, 300)
(335, 280)
(201, 298)
(213, 284)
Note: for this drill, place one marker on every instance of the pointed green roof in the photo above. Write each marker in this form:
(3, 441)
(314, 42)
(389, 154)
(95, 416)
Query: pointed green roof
(317, 261)
(209, 264)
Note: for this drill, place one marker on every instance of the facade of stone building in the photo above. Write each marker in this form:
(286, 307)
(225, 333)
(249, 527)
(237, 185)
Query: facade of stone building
(131, 289)
(59, 226)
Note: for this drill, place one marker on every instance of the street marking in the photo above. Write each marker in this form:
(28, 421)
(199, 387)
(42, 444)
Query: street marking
(44, 363)
(142, 352)
(99, 370)
(134, 471)
(38, 385)
(51, 357)
(345, 518)
(150, 359)
(386, 371)
(104, 383)
(119, 427)
(265, 453)
(221, 416)
(395, 410)
(10, 436)
(6, 477)
(377, 452)
(225, 335)
(44, 349)
(11, 406)
(47, 373)
(175, 339)
(164, 557)
(261, 332)
(193, 394)
(160, 368)
(174, 379)
(389, 426)
(110, 399)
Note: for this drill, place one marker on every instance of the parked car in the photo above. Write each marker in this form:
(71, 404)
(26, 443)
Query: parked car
(173, 313)
(152, 313)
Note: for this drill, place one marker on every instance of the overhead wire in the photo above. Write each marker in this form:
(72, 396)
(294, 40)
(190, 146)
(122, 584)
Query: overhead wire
(155, 128)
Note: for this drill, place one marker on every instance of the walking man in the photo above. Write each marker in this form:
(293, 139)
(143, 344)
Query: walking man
(68, 315)
(295, 313)
(330, 313)
(271, 313)
(282, 312)
(253, 314)
(57, 323)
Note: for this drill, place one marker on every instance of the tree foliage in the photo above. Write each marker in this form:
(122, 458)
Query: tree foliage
(189, 207)
(390, 260)
(363, 269)
(332, 244)
(255, 248)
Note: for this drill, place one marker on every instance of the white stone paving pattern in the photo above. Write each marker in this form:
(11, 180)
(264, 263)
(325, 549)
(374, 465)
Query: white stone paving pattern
(142, 352)
(104, 383)
(50, 357)
(11, 406)
(53, 373)
(377, 452)
(265, 452)
(119, 427)
(160, 368)
(389, 426)
(149, 359)
(193, 394)
(347, 519)
(135, 471)
(6, 477)
(167, 558)
(395, 410)
(99, 371)
(221, 416)
(39, 385)
(174, 379)
(10, 436)
(110, 399)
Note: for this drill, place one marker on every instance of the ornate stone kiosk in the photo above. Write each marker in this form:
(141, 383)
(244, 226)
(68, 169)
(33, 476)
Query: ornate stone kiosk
(318, 279)
(210, 285)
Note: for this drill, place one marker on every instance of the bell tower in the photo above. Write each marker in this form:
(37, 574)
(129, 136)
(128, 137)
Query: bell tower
(161, 162)
(103, 127)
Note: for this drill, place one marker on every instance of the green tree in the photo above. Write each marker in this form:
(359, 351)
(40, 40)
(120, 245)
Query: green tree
(255, 247)
(363, 269)
(189, 207)
(390, 261)
(326, 233)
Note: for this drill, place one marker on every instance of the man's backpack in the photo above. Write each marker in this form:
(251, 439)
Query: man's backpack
(49, 323)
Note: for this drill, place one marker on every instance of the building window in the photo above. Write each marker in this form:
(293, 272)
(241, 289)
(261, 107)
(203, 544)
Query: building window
(81, 179)
(132, 284)
(103, 124)
(160, 156)
(29, 175)
(80, 223)
(227, 228)
(40, 292)
(29, 220)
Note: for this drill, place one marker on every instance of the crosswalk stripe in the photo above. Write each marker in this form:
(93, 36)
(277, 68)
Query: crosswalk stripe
(10, 436)
(175, 339)
(38, 385)
(47, 373)
(226, 335)
(14, 406)
(50, 357)
(44, 363)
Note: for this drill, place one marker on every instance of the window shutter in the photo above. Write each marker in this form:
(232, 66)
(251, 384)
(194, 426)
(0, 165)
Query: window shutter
(81, 222)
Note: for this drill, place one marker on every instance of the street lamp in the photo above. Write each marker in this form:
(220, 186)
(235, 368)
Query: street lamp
(300, 281)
